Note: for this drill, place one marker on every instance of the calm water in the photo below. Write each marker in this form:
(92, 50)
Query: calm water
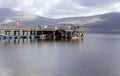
(96, 55)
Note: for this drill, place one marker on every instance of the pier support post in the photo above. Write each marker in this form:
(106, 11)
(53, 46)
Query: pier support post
(32, 37)
(54, 35)
(1, 37)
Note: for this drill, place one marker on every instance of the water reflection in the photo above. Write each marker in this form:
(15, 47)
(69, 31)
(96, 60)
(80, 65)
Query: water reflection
(35, 41)
(97, 55)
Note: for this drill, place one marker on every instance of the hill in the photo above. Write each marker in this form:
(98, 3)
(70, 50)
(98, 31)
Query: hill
(106, 23)
(10, 16)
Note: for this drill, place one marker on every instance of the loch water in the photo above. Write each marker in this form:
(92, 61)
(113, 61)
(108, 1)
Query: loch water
(94, 55)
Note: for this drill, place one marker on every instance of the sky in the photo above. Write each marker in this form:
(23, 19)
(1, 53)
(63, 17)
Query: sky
(63, 8)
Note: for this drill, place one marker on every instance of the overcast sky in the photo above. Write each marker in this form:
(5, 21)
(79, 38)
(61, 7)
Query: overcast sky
(63, 8)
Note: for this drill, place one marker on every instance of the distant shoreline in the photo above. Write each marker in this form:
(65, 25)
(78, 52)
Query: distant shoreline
(103, 32)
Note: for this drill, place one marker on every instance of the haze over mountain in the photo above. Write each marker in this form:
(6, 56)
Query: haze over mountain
(100, 23)
(8, 16)
(108, 23)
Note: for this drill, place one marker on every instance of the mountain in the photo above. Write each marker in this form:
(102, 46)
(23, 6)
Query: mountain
(10, 16)
(106, 23)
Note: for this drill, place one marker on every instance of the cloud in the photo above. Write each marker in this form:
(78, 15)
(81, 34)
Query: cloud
(63, 8)
(70, 8)
(96, 3)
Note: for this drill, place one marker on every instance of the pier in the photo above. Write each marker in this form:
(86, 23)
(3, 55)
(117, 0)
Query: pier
(40, 32)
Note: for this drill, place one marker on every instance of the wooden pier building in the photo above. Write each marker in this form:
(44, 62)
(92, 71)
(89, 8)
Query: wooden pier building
(41, 32)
